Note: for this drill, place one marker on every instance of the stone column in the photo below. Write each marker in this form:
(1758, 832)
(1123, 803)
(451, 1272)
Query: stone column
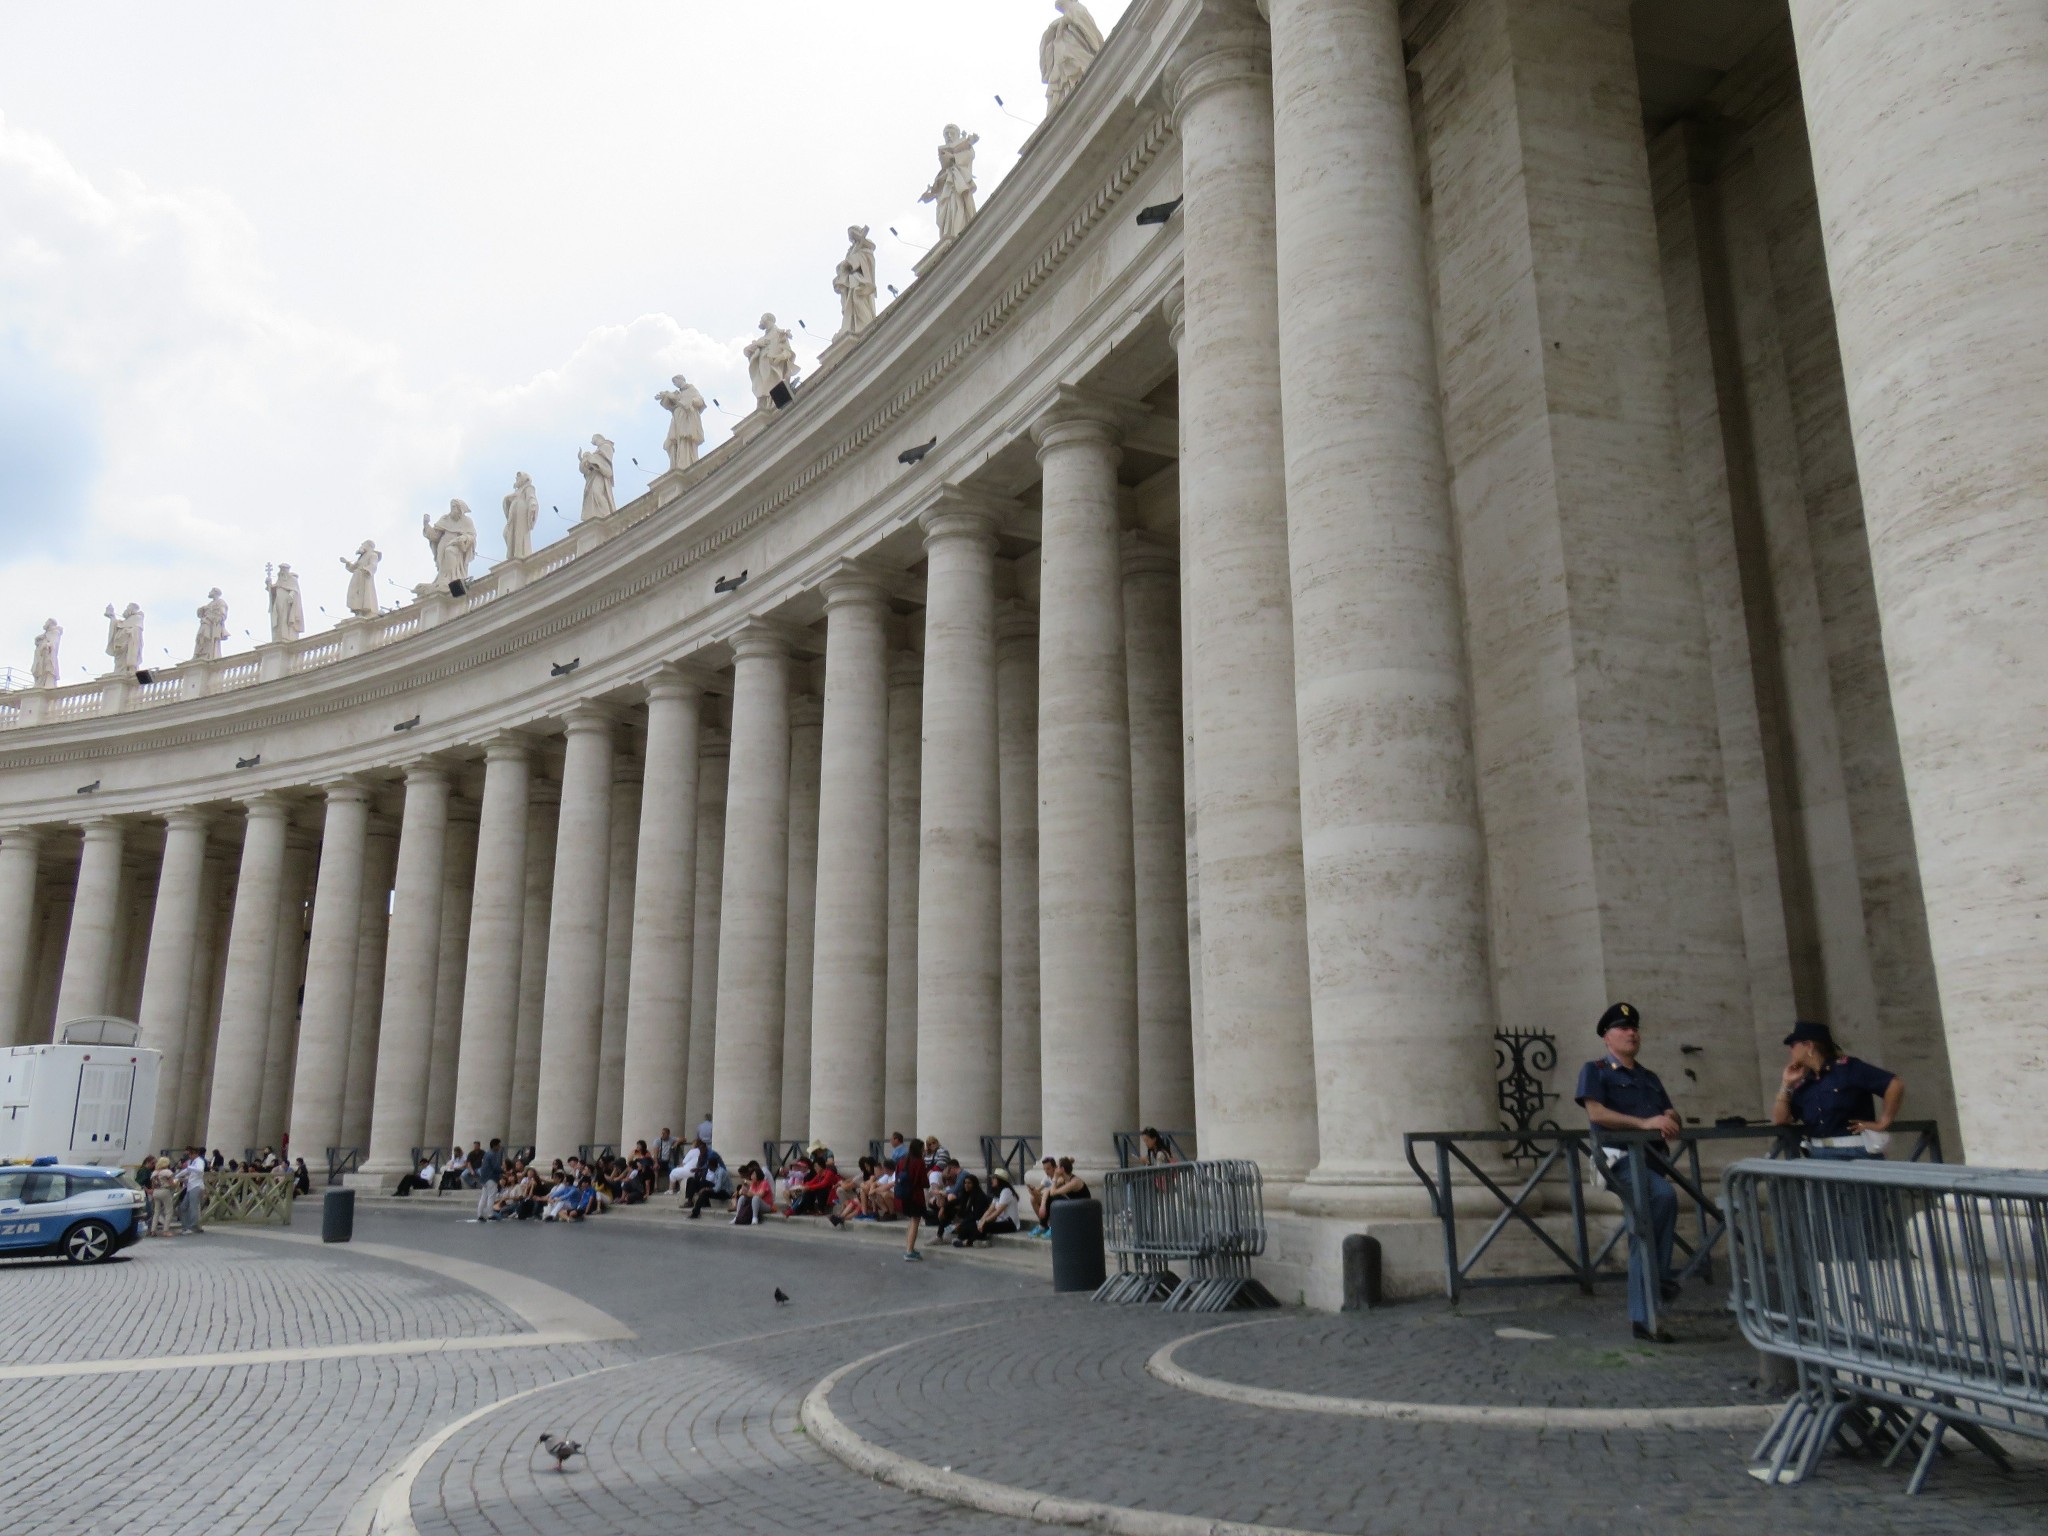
(1928, 158)
(1257, 1053)
(850, 951)
(1395, 871)
(906, 807)
(806, 731)
(543, 815)
(412, 956)
(1166, 1071)
(458, 889)
(19, 850)
(618, 953)
(1087, 936)
(366, 1015)
(1017, 788)
(497, 924)
(320, 1079)
(572, 1019)
(712, 776)
(664, 911)
(189, 1091)
(288, 968)
(89, 963)
(165, 1015)
(247, 983)
(746, 1075)
(959, 880)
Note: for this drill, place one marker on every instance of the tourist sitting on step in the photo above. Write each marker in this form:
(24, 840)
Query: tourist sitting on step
(1065, 1185)
(711, 1181)
(1000, 1215)
(853, 1201)
(559, 1199)
(964, 1208)
(684, 1169)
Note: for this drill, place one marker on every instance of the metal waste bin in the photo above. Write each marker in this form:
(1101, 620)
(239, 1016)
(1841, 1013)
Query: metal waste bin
(338, 1216)
(1077, 1245)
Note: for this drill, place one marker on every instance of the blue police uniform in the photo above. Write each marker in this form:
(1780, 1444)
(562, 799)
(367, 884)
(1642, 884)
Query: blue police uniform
(1843, 1091)
(1639, 1093)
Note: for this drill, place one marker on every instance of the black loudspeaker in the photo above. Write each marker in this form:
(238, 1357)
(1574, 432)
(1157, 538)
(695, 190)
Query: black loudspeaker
(144, 676)
(457, 588)
(781, 395)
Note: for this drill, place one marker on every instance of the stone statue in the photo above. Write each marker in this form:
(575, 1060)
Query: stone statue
(452, 537)
(771, 360)
(596, 464)
(522, 512)
(855, 283)
(953, 188)
(124, 637)
(1065, 52)
(362, 580)
(213, 628)
(287, 608)
(43, 669)
(685, 407)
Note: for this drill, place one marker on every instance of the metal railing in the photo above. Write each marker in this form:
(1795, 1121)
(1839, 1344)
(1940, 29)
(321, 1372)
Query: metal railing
(344, 1160)
(1130, 1152)
(591, 1151)
(1013, 1154)
(248, 1197)
(1207, 1217)
(1904, 1294)
(778, 1155)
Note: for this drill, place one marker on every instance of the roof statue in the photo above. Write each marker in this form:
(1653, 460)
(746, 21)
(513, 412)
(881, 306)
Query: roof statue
(213, 628)
(1065, 52)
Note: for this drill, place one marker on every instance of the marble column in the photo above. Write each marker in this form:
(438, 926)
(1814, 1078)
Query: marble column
(248, 979)
(202, 1012)
(1256, 1044)
(1928, 159)
(1087, 931)
(543, 816)
(1017, 789)
(366, 1012)
(959, 880)
(458, 891)
(906, 805)
(19, 850)
(618, 951)
(664, 911)
(412, 957)
(806, 732)
(165, 1014)
(572, 1018)
(287, 971)
(320, 1077)
(746, 1074)
(89, 954)
(497, 931)
(712, 775)
(1166, 1074)
(850, 950)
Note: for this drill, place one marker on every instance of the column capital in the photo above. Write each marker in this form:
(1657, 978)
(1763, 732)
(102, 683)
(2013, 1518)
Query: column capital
(588, 718)
(906, 669)
(543, 792)
(762, 639)
(856, 583)
(1214, 61)
(270, 805)
(677, 680)
(345, 790)
(959, 513)
(426, 770)
(714, 742)
(1147, 554)
(1016, 622)
(509, 746)
(806, 709)
(30, 838)
(1175, 308)
(1076, 415)
(102, 829)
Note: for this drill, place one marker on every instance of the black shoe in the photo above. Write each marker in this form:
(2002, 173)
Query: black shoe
(1670, 1290)
(1652, 1336)
(836, 1219)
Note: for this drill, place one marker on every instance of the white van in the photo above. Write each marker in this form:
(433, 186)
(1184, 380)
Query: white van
(90, 1099)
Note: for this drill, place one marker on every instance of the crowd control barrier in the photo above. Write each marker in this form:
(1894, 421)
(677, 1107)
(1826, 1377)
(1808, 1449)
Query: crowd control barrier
(1913, 1300)
(1207, 1218)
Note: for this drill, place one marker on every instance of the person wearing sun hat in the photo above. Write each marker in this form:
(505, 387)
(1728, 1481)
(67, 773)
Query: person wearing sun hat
(1619, 1094)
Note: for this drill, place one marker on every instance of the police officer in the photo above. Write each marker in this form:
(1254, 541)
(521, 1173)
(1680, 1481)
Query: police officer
(1619, 1095)
(1834, 1096)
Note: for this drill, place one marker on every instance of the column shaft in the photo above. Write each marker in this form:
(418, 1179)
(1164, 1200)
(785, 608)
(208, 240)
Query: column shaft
(412, 957)
(248, 980)
(288, 965)
(320, 1078)
(366, 1013)
(164, 1015)
(90, 972)
(544, 813)
(497, 923)
(1017, 788)
(458, 889)
(19, 850)
(906, 808)
(618, 952)
(572, 1020)
(189, 1091)
(806, 730)
(712, 777)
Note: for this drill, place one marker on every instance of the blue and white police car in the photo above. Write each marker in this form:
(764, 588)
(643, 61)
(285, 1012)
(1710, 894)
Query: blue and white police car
(85, 1214)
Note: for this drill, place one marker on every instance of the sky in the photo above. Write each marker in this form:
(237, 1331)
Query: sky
(275, 279)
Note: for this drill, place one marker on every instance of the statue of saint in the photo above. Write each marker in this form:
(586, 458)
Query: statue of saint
(953, 188)
(685, 407)
(213, 628)
(1065, 52)
(43, 669)
(522, 512)
(452, 537)
(596, 464)
(771, 360)
(287, 608)
(855, 283)
(124, 637)
(362, 580)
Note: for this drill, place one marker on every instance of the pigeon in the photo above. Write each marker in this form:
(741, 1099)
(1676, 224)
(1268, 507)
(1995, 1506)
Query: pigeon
(915, 455)
(560, 1447)
(780, 1299)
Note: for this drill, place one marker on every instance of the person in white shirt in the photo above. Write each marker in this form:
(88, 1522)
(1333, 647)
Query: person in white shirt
(679, 1176)
(194, 1175)
(1004, 1213)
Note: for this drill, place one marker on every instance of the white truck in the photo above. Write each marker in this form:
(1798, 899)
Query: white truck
(89, 1099)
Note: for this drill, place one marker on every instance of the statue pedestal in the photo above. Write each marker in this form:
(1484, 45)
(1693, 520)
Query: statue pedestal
(837, 348)
(193, 679)
(35, 704)
(273, 662)
(747, 428)
(355, 635)
(931, 258)
(511, 575)
(437, 607)
(587, 536)
(117, 692)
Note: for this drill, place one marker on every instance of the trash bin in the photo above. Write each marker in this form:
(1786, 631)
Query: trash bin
(338, 1216)
(1077, 1245)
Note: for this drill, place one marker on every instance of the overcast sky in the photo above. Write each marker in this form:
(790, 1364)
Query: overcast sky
(276, 278)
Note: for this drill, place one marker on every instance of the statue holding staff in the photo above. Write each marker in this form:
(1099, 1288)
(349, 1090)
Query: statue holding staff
(953, 188)
(362, 580)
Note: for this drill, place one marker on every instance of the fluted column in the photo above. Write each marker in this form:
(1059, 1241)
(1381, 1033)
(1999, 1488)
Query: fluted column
(366, 1015)
(1087, 936)
(1930, 156)
(806, 731)
(618, 951)
(412, 956)
(90, 973)
(959, 882)
(458, 889)
(497, 924)
(1017, 787)
(664, 911)
(543, 817)
(572, 1016)
(850, 948)
(287, 972)
(906, 805)
(165, 1013)
(1258, 1058)
(746, 1075)
(19, 850)
(248, 979)
(713, 764)
(320, 1078)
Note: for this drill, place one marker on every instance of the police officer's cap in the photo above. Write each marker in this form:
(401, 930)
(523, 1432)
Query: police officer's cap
(1819, 1034)
(1620, 1013)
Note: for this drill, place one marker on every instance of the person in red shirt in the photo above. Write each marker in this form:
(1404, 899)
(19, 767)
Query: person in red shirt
(910, 1179)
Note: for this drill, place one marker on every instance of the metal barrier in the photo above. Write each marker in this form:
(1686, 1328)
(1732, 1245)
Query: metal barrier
(1130, 1154)
(247, 1197)
(591, 1151)
(1015, 1155)
(434, 1155)
(778, 1155)
(1903, 1294)
(1209, 1217)
(344, 1160)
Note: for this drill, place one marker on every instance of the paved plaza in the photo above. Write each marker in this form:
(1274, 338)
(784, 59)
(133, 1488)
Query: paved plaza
(262, 1382)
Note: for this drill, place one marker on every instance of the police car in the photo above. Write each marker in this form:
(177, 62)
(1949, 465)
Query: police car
(48, 1207)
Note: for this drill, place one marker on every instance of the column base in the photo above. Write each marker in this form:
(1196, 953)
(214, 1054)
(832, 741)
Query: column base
(375, 1180)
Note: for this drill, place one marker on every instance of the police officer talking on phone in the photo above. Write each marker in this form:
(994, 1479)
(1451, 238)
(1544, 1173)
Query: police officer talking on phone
(1618, 1094)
